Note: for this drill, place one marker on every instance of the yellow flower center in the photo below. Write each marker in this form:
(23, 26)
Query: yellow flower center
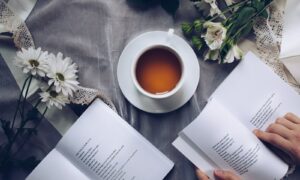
(53, 94)
(218, 33)
(34, 63)
(60, 76)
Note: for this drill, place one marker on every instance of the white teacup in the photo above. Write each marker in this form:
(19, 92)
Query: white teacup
(167, 45)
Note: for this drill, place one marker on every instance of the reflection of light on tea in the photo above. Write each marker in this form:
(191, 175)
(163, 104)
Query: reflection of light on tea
(161, 93)
(158, 71)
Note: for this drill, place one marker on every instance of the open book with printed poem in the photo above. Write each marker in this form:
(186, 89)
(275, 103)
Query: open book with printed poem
(221, 137)
(101, 145)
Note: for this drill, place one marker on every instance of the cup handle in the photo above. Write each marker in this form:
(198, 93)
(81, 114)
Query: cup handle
(170, 34)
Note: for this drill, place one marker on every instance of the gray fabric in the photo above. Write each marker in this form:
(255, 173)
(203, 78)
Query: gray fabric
(94, 33)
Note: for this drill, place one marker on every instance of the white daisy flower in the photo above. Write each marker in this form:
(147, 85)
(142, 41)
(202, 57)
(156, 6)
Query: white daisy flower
(62, 74)
(33, 61)
(53, 98)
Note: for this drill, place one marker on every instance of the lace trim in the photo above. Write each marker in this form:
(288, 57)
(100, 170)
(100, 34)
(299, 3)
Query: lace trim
(85, 95)
(268, 34)
(13, 24)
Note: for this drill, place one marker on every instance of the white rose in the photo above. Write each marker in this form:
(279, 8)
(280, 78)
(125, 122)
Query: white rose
(215, 35)
(234, 53)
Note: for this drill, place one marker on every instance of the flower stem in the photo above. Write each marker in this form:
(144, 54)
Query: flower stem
(37, 103)
(34, 128)
(19, 101)
(25, 97)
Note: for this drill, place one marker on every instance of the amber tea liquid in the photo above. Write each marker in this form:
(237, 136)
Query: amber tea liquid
(158, 70)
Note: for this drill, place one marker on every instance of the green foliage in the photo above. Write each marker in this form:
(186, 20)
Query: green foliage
(244, 15)
(264, 14)
(239, 21)
(198, 25)
(225, 49)
(187, 28)
(258, 4)
(244, 31)
(192, 31)
(197, 43)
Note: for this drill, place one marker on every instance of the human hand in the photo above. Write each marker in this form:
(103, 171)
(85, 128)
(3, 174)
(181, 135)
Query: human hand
(284, 134)
(219, 174)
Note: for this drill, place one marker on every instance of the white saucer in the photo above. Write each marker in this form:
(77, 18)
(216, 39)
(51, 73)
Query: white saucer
(157, 105)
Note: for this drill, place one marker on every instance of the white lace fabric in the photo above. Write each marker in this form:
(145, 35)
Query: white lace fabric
(21, 35)
(85, 95)
(268, 34)
(23, 39)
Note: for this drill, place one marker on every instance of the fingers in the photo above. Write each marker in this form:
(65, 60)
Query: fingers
(220, 174)
(288, 124)
(201, 175)
(281, 130)
(274, 139)
(225, 175)
(293, 118)
(284, 134)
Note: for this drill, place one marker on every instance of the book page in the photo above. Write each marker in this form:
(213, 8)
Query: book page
(256, 95)
(54, 167)
(105, 147)
(230, 145)
(192, 152)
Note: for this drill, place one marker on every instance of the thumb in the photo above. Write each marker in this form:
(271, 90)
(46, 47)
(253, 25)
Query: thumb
(225, 175)
(201, 175)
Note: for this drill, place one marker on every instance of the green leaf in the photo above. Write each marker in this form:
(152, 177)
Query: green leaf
(187, 28)
(224, 50)
(245, 14)
(244, 32)
(264, 14)
(170, 6)
(258, 5)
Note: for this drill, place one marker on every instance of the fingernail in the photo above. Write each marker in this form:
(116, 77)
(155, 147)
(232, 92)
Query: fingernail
(219, 172)
(255, 131)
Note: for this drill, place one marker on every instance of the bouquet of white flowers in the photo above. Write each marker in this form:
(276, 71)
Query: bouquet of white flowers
(57, 77)
(217, 32)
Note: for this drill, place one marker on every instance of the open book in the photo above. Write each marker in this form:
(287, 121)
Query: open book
(101, 145)
(221, 137)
